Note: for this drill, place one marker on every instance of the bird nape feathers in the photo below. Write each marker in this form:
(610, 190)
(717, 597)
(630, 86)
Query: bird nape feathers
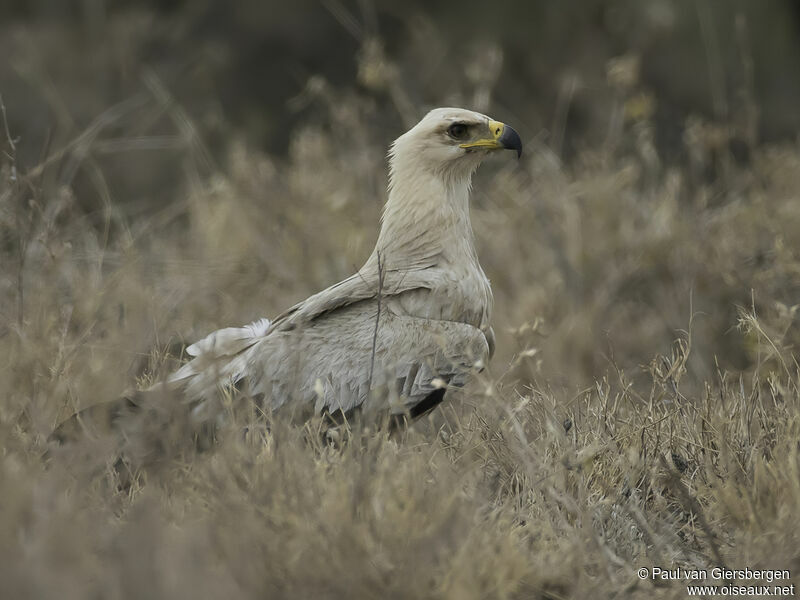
(388, 340)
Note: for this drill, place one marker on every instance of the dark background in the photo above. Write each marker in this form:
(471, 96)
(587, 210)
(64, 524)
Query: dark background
(244, 66)
(660, 137)
(174, 168)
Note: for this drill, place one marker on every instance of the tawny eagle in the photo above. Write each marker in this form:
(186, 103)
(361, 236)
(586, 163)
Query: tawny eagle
(389, 339)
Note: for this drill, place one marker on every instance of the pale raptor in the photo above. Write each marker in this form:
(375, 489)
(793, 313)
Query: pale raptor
(390, 339)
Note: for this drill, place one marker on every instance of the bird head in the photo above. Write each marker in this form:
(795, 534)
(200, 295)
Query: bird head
(454, 139)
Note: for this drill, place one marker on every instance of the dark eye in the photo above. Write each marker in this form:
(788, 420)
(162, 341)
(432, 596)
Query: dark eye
(457, 130)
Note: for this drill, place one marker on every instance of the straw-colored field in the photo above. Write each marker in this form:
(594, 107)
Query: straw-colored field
(642, 410)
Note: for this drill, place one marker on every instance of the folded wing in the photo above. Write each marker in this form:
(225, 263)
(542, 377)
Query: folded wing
(333, 352)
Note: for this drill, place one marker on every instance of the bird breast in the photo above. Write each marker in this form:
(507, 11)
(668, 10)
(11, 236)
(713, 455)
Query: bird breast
(457, 292)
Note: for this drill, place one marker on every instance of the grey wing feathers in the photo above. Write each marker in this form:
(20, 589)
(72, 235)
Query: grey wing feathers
(330, 365)
(325, 353)
(363, 285)
(229, 338)
(217, 359)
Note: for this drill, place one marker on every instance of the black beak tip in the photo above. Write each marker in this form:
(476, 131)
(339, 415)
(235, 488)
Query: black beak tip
(511, 140)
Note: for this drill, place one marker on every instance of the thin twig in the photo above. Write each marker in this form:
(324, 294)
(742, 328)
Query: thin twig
(21, 247)
(23, 242)
(345, 18)
(691, 504)
(11, 143)
(377, 321)
(12, 146)
(80, 145)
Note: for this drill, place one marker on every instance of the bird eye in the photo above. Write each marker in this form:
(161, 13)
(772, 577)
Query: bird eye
(457, 130)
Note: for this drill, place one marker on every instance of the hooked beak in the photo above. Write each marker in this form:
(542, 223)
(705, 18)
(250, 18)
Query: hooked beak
(503, 137)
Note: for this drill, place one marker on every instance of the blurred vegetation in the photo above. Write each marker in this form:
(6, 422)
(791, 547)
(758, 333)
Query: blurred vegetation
(173, 167)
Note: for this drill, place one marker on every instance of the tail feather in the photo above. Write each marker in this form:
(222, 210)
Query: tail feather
(144, 427)
(217, 360)
(95, 420)
(214, 355)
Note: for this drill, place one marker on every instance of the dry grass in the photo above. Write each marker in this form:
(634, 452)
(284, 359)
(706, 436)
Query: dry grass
(644, 407)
